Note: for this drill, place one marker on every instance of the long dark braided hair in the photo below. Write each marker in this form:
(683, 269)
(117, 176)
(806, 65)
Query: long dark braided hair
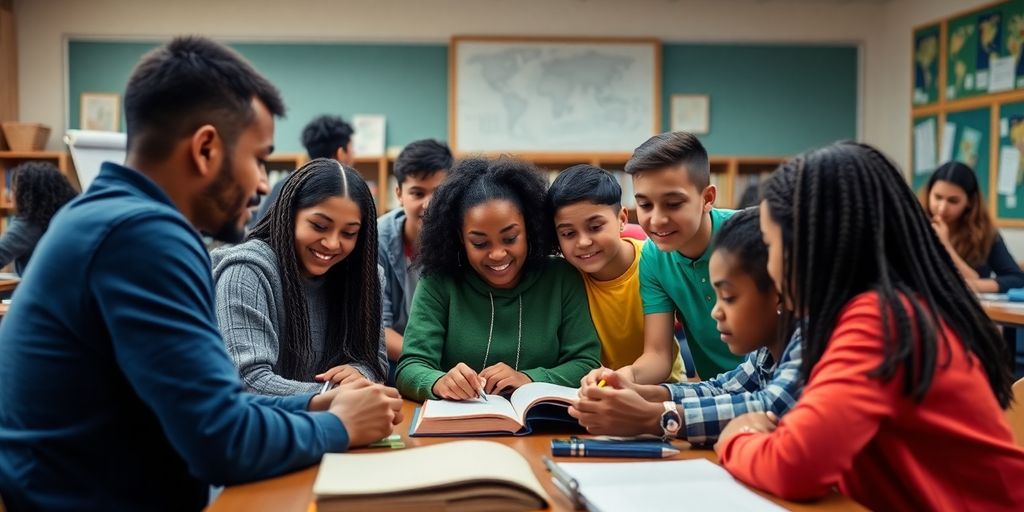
(353, 289)
(850, 224)
(39, 191)
(474, 181)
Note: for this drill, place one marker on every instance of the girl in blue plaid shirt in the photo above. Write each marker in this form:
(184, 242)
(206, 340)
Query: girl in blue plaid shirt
(747, 315)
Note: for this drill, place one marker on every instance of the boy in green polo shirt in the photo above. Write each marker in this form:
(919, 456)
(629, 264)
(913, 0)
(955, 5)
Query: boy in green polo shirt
(674, 198)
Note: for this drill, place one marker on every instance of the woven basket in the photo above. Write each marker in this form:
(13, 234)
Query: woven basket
(26, 136)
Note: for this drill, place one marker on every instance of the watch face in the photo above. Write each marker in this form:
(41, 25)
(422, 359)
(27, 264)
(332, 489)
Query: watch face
(670, 421)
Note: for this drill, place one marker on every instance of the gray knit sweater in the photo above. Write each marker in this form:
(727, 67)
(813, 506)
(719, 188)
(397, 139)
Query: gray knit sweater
(251, 315)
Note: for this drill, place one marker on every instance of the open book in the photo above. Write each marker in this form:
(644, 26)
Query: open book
(417, 479)
(531, 403)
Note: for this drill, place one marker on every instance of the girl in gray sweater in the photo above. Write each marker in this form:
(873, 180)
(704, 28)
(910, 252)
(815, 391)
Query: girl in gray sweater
(39, 190)
(299, 302)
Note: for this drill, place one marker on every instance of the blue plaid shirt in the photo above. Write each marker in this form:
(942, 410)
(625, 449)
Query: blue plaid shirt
(756, 385)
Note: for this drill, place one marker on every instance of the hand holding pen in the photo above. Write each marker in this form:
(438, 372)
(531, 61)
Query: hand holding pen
(460, 383)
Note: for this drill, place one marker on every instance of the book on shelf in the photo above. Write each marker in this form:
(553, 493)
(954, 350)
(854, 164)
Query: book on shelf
(442, 476)
(525, 409)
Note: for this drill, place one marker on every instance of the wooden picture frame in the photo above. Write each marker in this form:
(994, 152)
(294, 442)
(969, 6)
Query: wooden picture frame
(539, 97)
(100, 111)
(691, 113)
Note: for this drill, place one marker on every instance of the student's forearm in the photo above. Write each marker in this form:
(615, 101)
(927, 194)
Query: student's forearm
(652, 368)
(983, 285)
(393, 340)
(965, 270)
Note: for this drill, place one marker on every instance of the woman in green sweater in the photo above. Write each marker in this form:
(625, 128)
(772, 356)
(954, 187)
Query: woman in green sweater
(493, 310)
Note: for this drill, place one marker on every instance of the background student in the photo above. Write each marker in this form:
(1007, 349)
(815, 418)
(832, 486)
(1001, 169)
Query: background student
(39, 189)
(493, 309)
(585, 203)
(301, 297)
(419, 169)
(965, 228)
(157, 412)
(325, 136)
(906, 376)
(747, 315)
(675, 206)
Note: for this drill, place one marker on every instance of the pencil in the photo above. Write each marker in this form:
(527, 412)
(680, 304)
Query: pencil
(601, 383)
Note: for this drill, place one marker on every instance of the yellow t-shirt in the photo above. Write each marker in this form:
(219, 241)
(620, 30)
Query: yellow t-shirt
(618, 315)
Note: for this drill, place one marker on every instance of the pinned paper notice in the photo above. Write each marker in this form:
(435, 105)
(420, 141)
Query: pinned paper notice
(924, 147)
(1002, 72)
(981, 80)
(1009, 164)
(1011, 201)
(1004, 127)
(946, 149)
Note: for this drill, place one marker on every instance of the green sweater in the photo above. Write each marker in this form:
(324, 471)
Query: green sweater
(451, 317)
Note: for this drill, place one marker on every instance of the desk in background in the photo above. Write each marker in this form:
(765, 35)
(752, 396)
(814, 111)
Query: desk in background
(294, 492)
(1011, 315)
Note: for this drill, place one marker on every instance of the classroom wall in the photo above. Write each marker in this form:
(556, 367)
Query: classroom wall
(882, 28)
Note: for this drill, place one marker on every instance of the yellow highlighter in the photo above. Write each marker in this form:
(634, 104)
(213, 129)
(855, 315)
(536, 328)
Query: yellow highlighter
(601, 383)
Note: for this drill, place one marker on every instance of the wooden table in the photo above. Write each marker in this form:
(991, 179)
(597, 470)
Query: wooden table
(1000, 313)
(293, 492)
(8, 285)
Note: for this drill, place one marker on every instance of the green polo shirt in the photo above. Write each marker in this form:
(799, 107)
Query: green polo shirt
(671, 282)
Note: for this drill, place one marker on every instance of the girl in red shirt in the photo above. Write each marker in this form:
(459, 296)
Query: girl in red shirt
(907, 378)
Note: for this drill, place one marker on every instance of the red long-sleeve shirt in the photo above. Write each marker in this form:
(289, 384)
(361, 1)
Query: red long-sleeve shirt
(952, 451)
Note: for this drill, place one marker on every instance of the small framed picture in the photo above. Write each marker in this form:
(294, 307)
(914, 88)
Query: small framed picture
(691, 113)
(100, 111)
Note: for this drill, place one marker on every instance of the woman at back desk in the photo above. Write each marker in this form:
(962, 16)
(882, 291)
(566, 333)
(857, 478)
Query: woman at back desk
(953, 201)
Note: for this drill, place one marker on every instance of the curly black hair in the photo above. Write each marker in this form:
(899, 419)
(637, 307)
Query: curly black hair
(471, 182)
(40, 189)
(325, 134)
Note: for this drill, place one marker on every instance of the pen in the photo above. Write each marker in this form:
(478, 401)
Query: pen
(575, 447)
(483, 396)
(325, 387)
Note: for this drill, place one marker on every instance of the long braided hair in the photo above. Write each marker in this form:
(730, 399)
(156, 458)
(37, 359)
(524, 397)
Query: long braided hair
(474, 181)
(850, 224)
(353, 288)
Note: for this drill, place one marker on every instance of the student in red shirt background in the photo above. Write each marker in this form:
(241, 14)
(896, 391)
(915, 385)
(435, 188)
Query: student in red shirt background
(906, 376)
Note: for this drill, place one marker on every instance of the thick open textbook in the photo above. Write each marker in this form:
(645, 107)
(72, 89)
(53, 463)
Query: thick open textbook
(531, 403)
(460, 475)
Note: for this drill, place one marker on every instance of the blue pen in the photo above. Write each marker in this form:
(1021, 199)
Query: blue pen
(576, 447)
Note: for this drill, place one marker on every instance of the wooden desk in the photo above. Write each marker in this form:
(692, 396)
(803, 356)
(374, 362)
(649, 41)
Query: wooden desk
(1001, 314)
(8, 285)
(294, 492)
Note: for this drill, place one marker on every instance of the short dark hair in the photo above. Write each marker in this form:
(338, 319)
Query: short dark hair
(584, 182)
(474, 181)
(672, 149)
(324, 135)
(740, 236)
(422, 159)
(189, 82)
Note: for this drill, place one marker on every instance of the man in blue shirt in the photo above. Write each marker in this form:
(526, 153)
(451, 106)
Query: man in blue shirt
(117, 392)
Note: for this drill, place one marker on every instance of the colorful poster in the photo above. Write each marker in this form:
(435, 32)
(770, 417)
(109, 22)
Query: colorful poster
(967, 150)
(926, 65)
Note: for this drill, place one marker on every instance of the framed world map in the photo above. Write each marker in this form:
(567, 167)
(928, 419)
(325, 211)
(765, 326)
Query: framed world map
(534, 96)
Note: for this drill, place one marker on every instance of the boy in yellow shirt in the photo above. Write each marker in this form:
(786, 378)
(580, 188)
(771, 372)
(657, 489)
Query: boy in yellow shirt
(586, 205)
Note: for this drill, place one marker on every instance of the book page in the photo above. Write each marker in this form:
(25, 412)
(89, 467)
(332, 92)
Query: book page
(699, 483)
(534, 392)
(495, 405)
(362, 474)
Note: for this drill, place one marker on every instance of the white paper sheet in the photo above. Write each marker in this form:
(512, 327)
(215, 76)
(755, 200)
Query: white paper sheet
(368, 139)
(1009, 164)
(1002, 72)
(924, 147)
(89, 149)
(696, 484)
(946, 149)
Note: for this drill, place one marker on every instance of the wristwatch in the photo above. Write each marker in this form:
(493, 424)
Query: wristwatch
(671, 422)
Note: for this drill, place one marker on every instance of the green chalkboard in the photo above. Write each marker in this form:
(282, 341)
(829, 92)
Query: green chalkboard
(926, 65)
(920, 171)
(1011, 128)
(974, 40)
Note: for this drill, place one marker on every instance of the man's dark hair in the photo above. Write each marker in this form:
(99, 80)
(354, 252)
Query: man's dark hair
(673, 149)
(422, 158)
(584, 182)
(187, 83)
(324, 135)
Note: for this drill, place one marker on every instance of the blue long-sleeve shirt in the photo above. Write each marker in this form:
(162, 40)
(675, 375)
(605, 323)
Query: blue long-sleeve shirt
(999, 262)
(116, 391)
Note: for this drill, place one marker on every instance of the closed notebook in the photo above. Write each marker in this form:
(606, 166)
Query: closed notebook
(460, 475)
(529, 405)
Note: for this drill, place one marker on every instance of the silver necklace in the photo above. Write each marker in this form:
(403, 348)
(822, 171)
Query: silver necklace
(490, 333)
